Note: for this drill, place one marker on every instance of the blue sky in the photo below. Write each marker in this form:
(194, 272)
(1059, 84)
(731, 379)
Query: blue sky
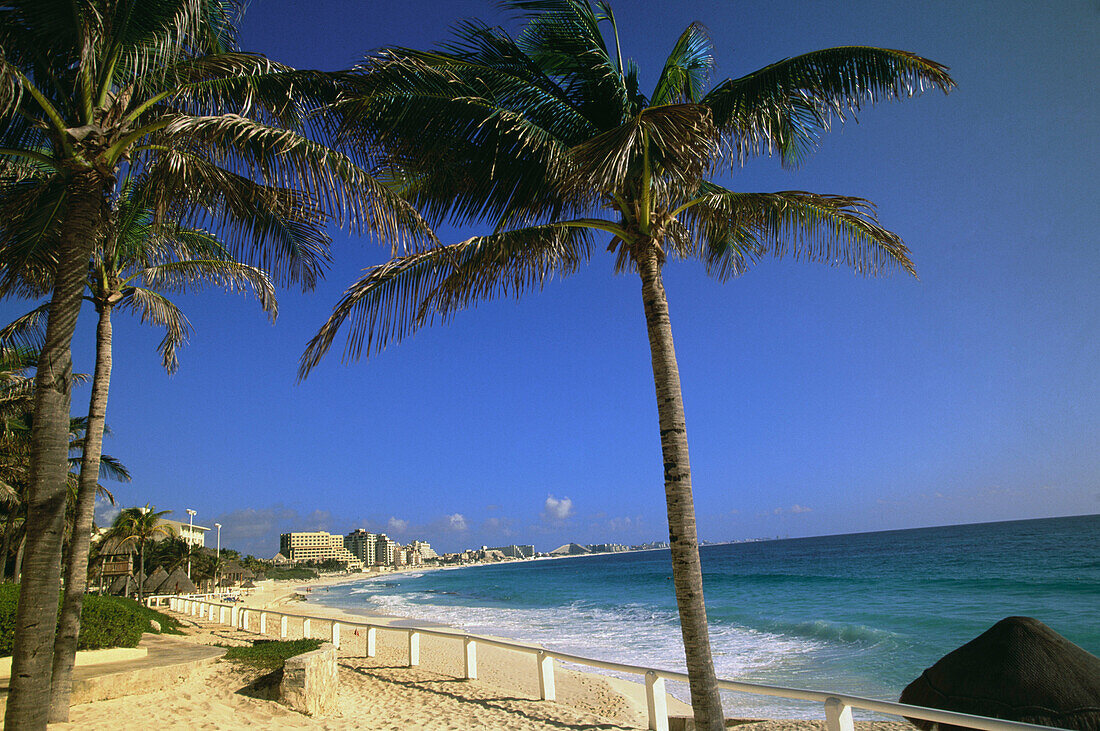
(817, 401)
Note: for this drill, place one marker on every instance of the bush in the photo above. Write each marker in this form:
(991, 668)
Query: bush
(105, 621)
(270, 655)
(297, 573)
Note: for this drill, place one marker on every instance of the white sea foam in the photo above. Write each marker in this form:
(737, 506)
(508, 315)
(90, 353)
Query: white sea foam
(630, 633)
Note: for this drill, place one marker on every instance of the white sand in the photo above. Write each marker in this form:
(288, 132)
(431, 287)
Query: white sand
(384, 693)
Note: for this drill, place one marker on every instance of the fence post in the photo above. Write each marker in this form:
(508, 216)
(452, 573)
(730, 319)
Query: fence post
(414, 648)
(372, 641)
(656, 702)
(235, 616)
(546, 676)
(838, 716)
(282, 628)
(263, 623)
(336, 635)
(306, 627)
(244, 619)
(471, 657)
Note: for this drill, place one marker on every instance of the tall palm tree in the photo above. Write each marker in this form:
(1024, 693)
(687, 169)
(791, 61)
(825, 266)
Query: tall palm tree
(548, 136)
(140, 526)
(91, 89)
(137, 248)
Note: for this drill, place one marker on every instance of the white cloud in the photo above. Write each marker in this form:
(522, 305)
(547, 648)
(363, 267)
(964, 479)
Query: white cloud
(397, 526)
(106, 512)
(495, 525)
(456, 522)
(624, 524)
(796, 508)
(556, 511)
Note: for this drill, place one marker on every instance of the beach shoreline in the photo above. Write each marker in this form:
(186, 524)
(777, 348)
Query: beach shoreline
(615, 698)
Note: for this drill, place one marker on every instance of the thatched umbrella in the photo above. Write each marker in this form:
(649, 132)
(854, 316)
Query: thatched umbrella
(1018, 670)
(176, 583)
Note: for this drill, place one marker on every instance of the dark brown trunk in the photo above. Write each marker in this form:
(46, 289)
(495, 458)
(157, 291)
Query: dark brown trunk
(19, 557)
(9, 528)
(687, 573)
(36, 617)
(76, 570)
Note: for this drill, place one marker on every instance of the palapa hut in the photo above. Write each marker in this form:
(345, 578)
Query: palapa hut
(1018, 670)
(234, 573)
(120, 586)
(176, 583)
(155, 580)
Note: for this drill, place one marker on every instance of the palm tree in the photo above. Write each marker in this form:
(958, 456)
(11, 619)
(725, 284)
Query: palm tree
(137, 248)
(92, 89)
(140, 526)
(548, 136)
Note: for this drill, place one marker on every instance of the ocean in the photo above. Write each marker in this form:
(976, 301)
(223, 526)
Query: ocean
(863, 613)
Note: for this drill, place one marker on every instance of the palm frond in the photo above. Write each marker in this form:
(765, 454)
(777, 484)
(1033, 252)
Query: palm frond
(677, 141)
(195, 275)
(395, 299)
(783, 107)
(160, 311)
(284, 159)
(26, 333)
(687, 70)
(737, 229)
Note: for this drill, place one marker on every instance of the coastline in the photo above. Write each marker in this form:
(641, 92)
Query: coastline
(617, 699)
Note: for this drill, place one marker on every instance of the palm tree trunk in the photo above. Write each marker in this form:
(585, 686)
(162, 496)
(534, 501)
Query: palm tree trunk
(76, 570)
(18, 568)
(687, 574)
(141, 575)
(36, 616)
(9, 527)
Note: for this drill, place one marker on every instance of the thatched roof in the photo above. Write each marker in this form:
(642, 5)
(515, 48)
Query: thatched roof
(119, 586)
(154, 580)
(117, 547)
(1018, 670)
(176, 583)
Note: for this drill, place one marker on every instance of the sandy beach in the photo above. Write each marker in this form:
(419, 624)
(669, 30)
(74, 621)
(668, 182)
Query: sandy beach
(383, 693)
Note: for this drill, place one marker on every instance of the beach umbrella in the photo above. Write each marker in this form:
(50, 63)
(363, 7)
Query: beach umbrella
(1018, 670)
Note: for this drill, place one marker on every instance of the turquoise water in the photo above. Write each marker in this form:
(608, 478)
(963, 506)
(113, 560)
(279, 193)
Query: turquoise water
(862, 613)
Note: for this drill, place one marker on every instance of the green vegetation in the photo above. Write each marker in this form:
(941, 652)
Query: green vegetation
(298, 573)
(270, 655)
(106, 621)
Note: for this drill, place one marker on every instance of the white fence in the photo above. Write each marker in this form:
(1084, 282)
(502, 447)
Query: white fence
(838, 706)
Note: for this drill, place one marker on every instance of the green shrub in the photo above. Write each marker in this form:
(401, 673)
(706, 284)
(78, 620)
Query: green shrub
(298, 573)
(270, 655)
(105, 621)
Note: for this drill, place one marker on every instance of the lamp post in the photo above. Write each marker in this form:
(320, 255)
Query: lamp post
(218, 556)
(190, 537)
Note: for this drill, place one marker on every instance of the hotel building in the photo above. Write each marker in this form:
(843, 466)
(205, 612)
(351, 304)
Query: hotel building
(363, 545)
(317, 546)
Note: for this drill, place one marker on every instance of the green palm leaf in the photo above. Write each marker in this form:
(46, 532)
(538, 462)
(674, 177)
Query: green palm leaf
(785, 106)
(397, 298)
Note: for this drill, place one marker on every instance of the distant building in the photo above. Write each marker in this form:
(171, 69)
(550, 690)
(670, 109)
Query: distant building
(514, 551)
(279, 560)
(193, 534)
(384, 550)
(570, 549)
(363, 545)
(317, 546)
(607, 548)
(424, 549)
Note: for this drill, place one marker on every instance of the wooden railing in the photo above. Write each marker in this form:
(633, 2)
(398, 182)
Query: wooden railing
(837, 706)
